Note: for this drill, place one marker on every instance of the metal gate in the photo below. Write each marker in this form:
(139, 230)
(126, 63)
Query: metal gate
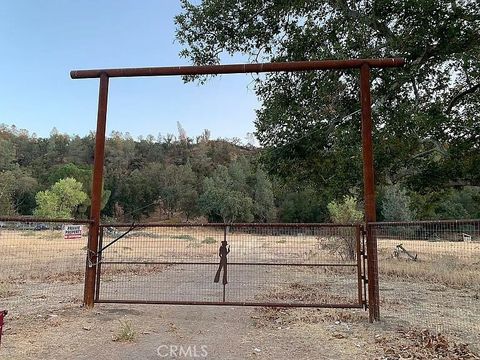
(287, 265)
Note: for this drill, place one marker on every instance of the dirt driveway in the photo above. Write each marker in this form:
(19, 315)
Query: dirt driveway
(58, 328)
(41, 286)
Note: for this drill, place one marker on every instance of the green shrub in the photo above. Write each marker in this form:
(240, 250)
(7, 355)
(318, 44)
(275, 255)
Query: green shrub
(343, 242)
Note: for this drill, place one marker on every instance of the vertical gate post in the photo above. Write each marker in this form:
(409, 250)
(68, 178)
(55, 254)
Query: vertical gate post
(97, 184)
(369, 193)
(358, 235)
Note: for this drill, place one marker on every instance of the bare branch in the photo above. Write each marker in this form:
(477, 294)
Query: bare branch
(459, 96)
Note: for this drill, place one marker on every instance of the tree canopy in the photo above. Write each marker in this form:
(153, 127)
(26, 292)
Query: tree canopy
(425, 114)
(165, 178)
(60, 200)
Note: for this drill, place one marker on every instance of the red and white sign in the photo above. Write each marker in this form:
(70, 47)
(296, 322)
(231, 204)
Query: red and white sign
(72, 232)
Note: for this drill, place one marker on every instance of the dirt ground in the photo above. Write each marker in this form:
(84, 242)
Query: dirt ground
(46, 320)
(55, 327)
(70, 332)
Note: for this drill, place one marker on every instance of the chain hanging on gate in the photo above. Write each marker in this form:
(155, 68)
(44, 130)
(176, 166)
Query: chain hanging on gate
(223, 251)
(95, 255)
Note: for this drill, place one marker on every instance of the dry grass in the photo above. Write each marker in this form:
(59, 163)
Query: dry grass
(5, 290)
(423, 345)
(46, 256)
(308, 293)
(126, 333)
(454, 264)
(446, 271)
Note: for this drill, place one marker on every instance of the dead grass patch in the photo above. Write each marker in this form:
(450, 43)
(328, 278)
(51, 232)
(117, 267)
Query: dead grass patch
(5, 290)
(446, 270)
(423, 344)
(307, 293)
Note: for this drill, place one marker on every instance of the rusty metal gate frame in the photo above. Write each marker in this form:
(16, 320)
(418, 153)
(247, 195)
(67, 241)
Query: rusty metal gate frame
(360, 265)
(363, 65)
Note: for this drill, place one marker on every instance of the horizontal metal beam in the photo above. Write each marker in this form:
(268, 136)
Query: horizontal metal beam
(234, 303)
(216, 264)
(232, 225)
(239, 68)
(28, 219)
(426, 222)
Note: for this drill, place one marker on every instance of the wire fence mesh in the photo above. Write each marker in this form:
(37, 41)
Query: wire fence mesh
(430, 275)
(288, 264)
(429, 271)
(42, 262)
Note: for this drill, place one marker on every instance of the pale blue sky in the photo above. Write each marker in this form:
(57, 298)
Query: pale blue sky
(41, 41)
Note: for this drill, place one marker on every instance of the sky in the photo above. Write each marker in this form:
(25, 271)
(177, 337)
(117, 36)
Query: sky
(42, 41)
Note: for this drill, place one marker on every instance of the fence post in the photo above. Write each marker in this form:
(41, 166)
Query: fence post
(369, 193)
(97, 184)
(358, 231)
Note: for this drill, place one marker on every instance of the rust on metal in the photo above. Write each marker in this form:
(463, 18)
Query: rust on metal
(97, 183)
(99, 266)
(230, 263)
(223, 251)
(364, 269)
(240, 68)
(232, 225)
(28, 219)
(369, 192)
(235, 303)
(363, 64)
(359, 263)
(264, 267)
(425, 222)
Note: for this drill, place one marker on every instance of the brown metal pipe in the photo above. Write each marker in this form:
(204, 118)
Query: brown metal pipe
(29, 219)
(233, 303)
(99, 268)
(233, 225)
(426, 222)
(97, 184)
(369, 193)
(239, 68)
(230, 263)
(359, 264)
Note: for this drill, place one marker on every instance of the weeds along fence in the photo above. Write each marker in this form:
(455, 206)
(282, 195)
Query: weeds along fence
(42, 261)
(429, 275)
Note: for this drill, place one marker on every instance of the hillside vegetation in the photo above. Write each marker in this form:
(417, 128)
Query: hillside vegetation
(182, 179)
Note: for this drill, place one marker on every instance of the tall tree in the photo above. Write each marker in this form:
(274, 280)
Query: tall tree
(60, 200)
(222, 200)
(264, 205)
(179, 190)
(396, 204)
(425, 114)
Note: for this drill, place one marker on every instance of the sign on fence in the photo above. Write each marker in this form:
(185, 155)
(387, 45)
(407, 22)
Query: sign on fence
(72, 231)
